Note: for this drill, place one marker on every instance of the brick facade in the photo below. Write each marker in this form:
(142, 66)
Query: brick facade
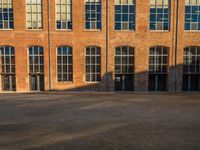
(79, 38)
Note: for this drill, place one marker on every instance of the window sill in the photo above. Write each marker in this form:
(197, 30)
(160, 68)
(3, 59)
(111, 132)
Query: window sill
(87, 82)
(34, 30)
(132, 31)
(93, 30)
(192, 31)
(6, 29)
(65, 82)
(161, 31)
(64, 30)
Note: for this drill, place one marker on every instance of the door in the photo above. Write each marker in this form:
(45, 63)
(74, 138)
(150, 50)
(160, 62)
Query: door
(157, 82)
(37, 82)
(124, 82)
(8, 82)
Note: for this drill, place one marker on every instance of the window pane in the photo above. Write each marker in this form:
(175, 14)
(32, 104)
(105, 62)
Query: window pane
(6, 14)
(93, 64)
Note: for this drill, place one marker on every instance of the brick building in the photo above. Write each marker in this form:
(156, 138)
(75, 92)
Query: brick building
(107, 45)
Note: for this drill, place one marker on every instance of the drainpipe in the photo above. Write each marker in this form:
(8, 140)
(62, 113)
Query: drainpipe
(176, 45)
(107, 75)
(49, 44)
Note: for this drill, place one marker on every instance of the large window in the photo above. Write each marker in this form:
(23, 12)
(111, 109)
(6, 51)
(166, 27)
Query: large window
(93, 64)
(159, 14)
(124, 14)
(192, 15)
(8, 68)
(158, 68)
(64, 14)
(6, 14)
(34, 14)
(93, 14)
(64, 64)
(124, 60)
(124, 68)
(191, 69)
(36, 68)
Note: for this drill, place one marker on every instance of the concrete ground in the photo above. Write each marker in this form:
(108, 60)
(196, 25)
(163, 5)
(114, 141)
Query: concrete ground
(99, 121)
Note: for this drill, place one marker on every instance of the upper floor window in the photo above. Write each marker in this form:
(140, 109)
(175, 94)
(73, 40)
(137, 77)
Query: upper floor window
(6, 14)
(34, 14)
(192, 15)
(63, 14)
(124, 14)
(64, 64)
(93, 64)
(93, 14)
(159, 14)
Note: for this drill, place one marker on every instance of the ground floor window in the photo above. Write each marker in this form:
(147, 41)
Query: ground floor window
(158, 68)
(8, 68)
(191, 69)
(124, 68)
(36, 68)
(64, 64)
(93, 64)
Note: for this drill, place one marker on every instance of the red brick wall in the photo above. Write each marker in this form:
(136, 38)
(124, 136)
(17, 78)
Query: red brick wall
(141, 39)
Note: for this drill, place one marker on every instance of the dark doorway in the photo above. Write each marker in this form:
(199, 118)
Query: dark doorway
(8, 82)
(37, 82)
(124, 82)
(191, 82)
(157, 82)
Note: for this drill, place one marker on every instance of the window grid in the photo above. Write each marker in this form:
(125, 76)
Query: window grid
(8, 68)
(34, 14)
(64, 64)
(191, 69)
(124, 60)
(7, 60)
(159, 14)
(36, 60)
(93, 14)
(192, 15)
(93, 64)
(158, 60)
(64, 14)
(191, 60)
(125, 15)
(6, 14)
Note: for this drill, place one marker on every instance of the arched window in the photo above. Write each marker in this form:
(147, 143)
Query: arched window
(7, 63)
(158, 68)
(6, 14)
(64, 14)
(93, 14)
(93, 64)
(36, 68)
(64, 64)
(125, 14)
(124, 68)
(191, 69)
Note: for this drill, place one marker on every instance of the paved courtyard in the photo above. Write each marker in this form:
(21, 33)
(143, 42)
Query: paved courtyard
(99, 121)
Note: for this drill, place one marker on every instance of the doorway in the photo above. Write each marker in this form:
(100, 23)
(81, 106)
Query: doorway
(124, 82)
(37, 82)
